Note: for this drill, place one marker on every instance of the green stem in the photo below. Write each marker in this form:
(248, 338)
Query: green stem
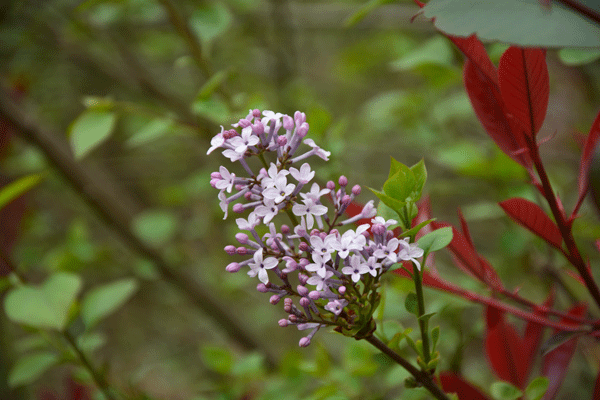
(423, 323)
(420, 376)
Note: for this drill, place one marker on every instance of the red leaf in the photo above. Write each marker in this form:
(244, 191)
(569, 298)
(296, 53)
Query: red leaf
(504, 348)
(533, 334)
(556, 362)
(466, 258)
(11, 216)
(596, 394)
(586, 160)
(473, 49)
(453, 383)
(532, 217)
(489, 107)
(524, 84)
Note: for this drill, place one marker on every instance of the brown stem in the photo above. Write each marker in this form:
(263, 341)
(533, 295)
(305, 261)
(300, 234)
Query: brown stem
(422, 377)
(581, 9)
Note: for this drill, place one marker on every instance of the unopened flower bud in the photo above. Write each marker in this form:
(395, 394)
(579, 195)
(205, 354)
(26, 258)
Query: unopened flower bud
(288, 123)
(242, 251)
(303, 262)
(303, 246)
(299, 118)
(248, 196)
(281, 141)
(213, 182)
(238, 208)
(330, 185)
(241, 237)
(342, 289)
(304, 342)
(285, 229)
(343, 181)
(230, 249)
(302, 279)
(230, 133)
(378, 229)
(256, 113)
(356, 190)
(292, 318)
(283, 322)
(314, 294)
(233, 267)
(244, 123)
(302, 130)
(262, 288)
(345, 200)
(258, 128)
(216, 175)
(274, 299)
(304, 302)
(302, 290)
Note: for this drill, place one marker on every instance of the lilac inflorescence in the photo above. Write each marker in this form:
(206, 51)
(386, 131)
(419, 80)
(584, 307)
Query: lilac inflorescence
(334, 270)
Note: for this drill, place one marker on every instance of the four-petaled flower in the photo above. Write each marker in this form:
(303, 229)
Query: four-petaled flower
(309, 209)
(388, 251)
(280, 190)
(410, 252)
(320, 281)
(319, 264)
(226, 181)
(356, 269)
(304, 175)
(336, 306)
(259, 266)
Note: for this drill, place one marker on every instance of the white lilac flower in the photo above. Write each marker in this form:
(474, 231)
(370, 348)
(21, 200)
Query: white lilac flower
(245, 140)
(216, 142)
(280, 191)
(388, 251)
(382, 221)
(270, 115)
(319, 264)
(336, 306)
(304, 175)
(249, 224)
(320, 281)
(315, 192)
(223, 202)
(373, 265)
(233, 155)
(410, 252)
(268, 210)
(348, 242)
(226, 181)
(270, 237)
(272, 176)
(323, 246)
(356, 269)
(317, 150)
(309, 210)
(259, 266)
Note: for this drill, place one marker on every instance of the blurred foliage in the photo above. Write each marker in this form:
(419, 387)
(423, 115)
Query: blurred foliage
(138, 87)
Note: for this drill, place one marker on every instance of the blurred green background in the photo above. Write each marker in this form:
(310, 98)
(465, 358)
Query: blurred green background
(168, 73)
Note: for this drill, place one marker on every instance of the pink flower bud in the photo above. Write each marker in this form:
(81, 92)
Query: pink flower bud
(230, 249)
(303, 246)
(330, 185)
(345, 200)
(244, 123)
(274, 299)
(342, 289)
(216, 175)
(242, 251)
(288, 123)
(302, 279)
(258, 128)
(304, 342)
(256, 113)
(304, 262)
(285, 229)
(304, 302)
(302, 130)
(241, 237)
(262, 288)
(356, 190)
(233, 267)
(299, 117)
(302, 290)
(343, 181)
(283, 322)
(315, 295)
(238, 208)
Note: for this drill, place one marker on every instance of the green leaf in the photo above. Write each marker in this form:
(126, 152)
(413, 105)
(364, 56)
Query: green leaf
(420, 173)
(521, 22)
(213, 108)
(155, 227)
(576, 57)
(46, 306)
(436, 240)
(390, 202)
(401, 184)
(90, 129)
(212, 84)
(218, 359)
(358, 359)
(104, 300)
(151, 131)
(537, 388)
(436, 51)
(210, 20)
(435, 336)
(412, 303)
(31, 367)
(504, 391)
(416, 229)
(426, 317)
(363, 11)
(15, 189)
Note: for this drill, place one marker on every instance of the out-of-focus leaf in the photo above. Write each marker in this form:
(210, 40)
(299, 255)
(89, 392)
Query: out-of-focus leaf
(436, 240)
(521, 22)
(589, 166)
(219, 359)
(155, 227)
(15, 189)
(411, 303)
(532, 217)
(104, 300)
(363, 11)
(358, 359)
(30, 367)
(210, 20)
(212, 84)
(537, 388)
(453, 383)
(576, 57)
(435, 51)
(505, 391)
(90, 129)
(45, 306)
(213, 108)
(151, 131)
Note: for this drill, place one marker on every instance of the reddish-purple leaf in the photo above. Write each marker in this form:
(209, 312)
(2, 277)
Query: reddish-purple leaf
(453, 383)
(556, 362)
(524, 84)
(586, 160)
(532, 217)
(489, 107)
(473, 49)
(596, 394)
(534, 332)
(466, 257)
(504, 348)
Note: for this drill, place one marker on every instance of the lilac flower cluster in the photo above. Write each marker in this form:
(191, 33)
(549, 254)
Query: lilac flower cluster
(337, 273)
